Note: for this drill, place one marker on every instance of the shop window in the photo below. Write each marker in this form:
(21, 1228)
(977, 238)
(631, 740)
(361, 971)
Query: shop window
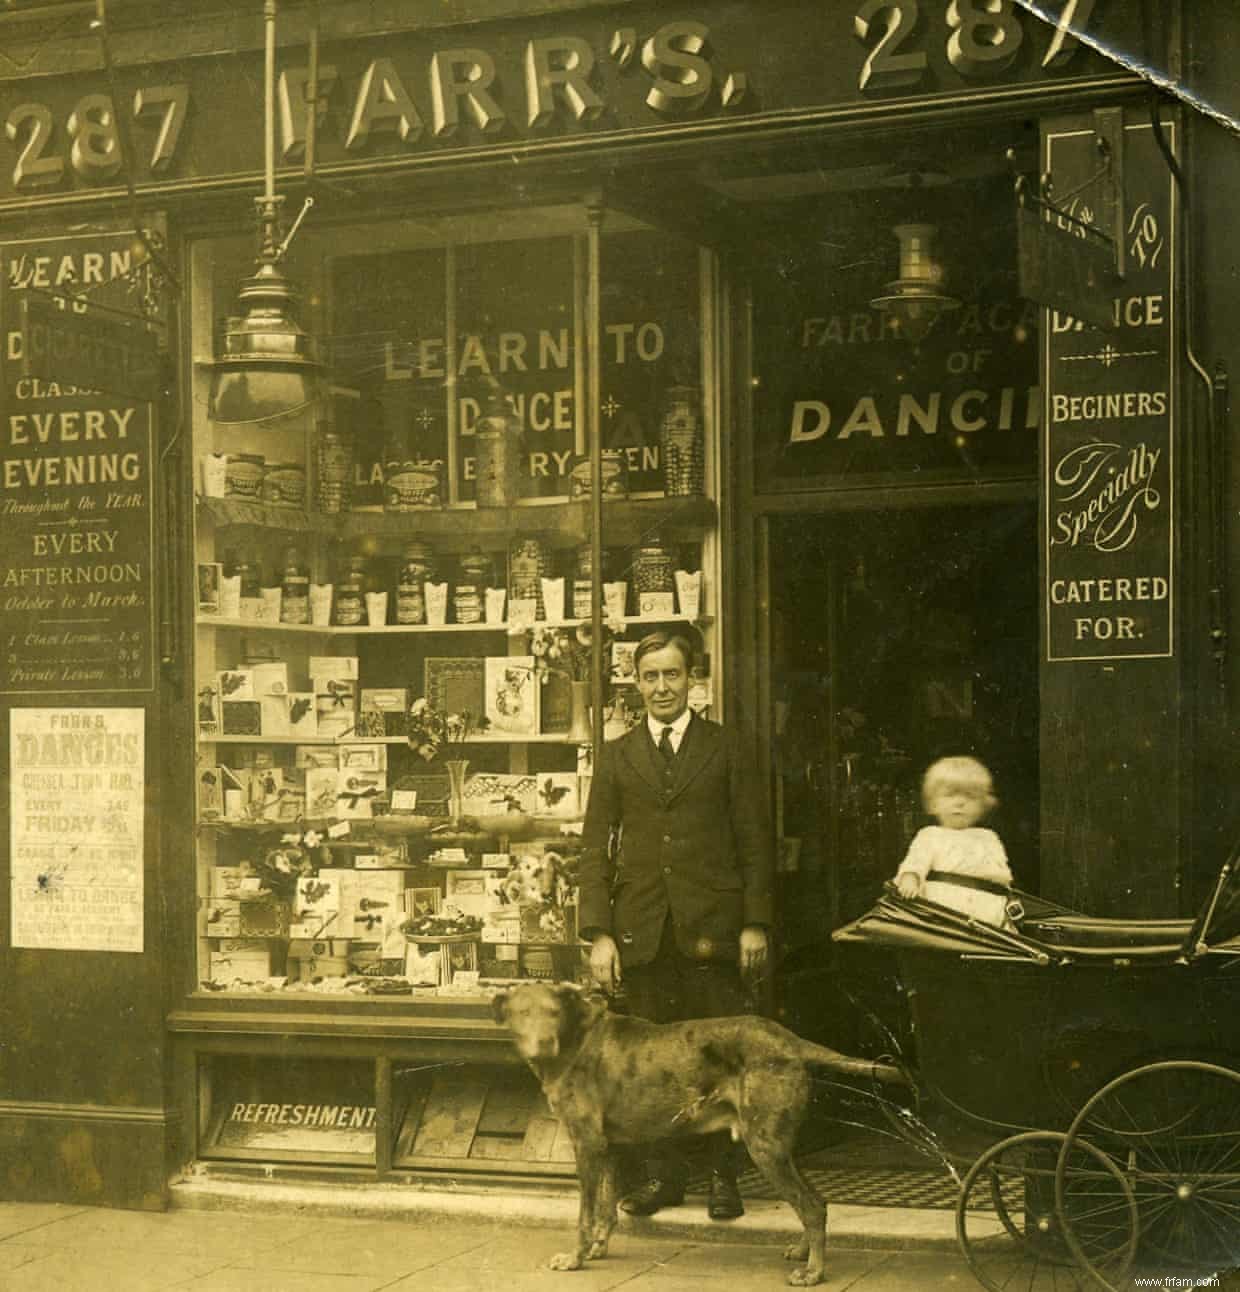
(395, 586)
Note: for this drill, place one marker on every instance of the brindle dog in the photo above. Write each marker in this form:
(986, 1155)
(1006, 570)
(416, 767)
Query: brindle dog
(617, 1080)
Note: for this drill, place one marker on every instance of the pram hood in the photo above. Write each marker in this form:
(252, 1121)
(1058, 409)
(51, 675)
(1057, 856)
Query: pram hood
(1051, 934)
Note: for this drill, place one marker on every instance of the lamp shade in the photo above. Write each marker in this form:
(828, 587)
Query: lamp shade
(915, 299)
(267, 367)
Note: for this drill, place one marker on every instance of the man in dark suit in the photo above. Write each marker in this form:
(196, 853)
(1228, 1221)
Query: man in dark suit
(676, 877)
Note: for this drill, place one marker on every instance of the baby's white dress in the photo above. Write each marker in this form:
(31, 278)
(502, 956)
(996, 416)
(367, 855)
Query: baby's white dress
(976, 853)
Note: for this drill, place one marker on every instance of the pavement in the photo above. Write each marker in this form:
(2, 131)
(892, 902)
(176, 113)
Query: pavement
(298, 1238)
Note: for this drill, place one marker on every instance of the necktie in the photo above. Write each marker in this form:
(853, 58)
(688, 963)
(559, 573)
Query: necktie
(665, 746)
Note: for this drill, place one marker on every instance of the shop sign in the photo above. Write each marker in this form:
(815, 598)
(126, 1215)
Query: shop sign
(1109, 456)
(535, 81)
(77, 605)
(514, 326)
(326, 1108)
(71, 342)
(77, 786)
(841, 398)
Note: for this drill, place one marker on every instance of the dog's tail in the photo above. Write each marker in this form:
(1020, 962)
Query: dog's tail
(846, 1066)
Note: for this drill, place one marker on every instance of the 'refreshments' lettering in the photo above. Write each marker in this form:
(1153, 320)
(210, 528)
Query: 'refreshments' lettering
(317, 1116)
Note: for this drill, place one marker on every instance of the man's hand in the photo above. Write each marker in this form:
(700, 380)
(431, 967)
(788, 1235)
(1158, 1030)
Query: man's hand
(909, 884)
(605, 963)
(753, 951)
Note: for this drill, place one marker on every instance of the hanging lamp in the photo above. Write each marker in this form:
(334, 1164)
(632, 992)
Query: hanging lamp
(916, 298)
(268, 366)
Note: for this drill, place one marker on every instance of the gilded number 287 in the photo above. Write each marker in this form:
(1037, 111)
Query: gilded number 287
(983, 38)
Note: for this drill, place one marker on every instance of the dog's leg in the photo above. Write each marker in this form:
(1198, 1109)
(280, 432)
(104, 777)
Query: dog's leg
(769, 1118)
(604, 1208)
(590, 1169)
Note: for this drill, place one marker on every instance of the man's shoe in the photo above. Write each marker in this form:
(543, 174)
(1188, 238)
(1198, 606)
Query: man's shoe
(725, 1198)
(650, 1197)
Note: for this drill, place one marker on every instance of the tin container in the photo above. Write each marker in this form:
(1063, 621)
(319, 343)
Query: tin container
(412, 486)
(615, 476)
(334, 480)
(243, 476)
(497, 450)
(284, 484)
(351, 593)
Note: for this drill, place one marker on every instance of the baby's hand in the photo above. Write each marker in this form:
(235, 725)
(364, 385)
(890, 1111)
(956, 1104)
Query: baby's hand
(909, 885)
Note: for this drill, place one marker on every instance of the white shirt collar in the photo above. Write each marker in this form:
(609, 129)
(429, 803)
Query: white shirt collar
(679, 727)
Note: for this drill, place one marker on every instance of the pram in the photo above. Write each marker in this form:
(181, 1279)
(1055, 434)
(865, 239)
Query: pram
(1100, 1061)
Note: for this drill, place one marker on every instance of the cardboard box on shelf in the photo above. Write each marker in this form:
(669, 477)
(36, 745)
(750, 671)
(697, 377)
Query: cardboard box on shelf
(492, 794)
(368, 900)
(224, 881)
(356, 792)
(557, 795)
(316, 908)
(235, 684)
(303, 718)
(273, 715)
(210, 794)
(241, 718)
(332, 668)
(336, 708)
(270, 677)
(322, 785)
(502, 925)
(208, 711)
(222, 919)
(264, 917)
(247, 959)
(384, 711)
(542, 924)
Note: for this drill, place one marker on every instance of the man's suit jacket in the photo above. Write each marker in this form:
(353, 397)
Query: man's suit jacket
(691, 841)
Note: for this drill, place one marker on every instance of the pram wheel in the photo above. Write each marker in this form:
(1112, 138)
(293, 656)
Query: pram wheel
(1010, 1229)
(1173, 1129)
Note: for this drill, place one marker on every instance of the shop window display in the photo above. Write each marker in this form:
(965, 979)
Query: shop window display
(394, 645)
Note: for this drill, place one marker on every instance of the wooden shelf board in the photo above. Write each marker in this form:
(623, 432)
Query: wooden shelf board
(339, 630)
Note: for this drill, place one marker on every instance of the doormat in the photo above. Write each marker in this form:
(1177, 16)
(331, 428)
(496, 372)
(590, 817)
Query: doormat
(872, 1187)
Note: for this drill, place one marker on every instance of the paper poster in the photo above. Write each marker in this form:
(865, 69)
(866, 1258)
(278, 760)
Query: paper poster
(76, 828)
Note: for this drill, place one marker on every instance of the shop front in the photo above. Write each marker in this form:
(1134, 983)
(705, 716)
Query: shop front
(611, 318)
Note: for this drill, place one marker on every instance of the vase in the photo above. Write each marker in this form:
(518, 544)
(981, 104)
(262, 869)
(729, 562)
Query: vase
(457, 767)
(579, 727)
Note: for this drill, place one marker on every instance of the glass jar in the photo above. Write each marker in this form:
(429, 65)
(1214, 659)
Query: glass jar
(681, 446)
(497, 450)
(295, 590)
(527, 567)
(654, 567)
(239, 563)
(417, 567)
(334, 481)
(583, 582)
(350, 608)
(469, 595)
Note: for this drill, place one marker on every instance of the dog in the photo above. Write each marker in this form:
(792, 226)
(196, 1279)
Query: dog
(614, 1080)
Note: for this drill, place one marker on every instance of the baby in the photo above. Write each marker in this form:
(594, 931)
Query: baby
(957, 863)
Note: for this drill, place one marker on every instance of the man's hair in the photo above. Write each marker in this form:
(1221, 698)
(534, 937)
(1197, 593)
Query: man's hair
(657, 641)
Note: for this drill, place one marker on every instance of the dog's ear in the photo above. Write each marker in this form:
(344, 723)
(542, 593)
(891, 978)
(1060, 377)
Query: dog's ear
(499, 1006)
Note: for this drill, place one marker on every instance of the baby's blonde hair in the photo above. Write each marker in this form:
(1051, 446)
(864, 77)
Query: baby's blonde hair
(957, 773)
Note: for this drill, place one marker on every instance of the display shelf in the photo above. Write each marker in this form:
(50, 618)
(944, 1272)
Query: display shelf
(240, 511)
(543, 738)
(340, 630)
(566, 523)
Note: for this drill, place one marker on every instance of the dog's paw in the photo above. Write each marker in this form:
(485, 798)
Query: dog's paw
(564, 1261)
(597, 1250)
(806, 1277)
(798, 1251)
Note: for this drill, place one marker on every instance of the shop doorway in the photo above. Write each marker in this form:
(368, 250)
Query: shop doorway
(896, 637)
